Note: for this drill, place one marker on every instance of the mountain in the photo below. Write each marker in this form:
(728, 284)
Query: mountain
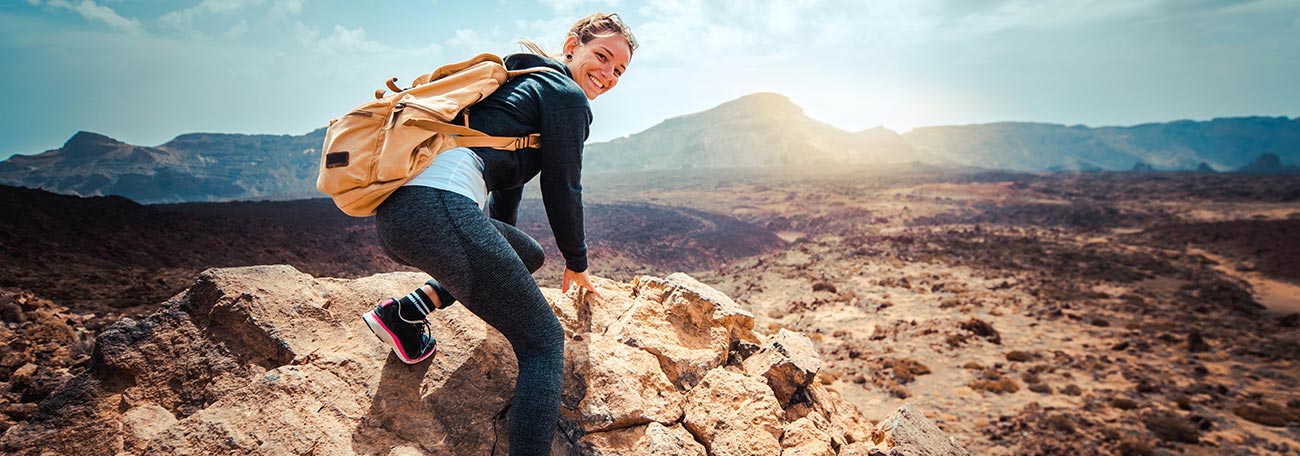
(1182, 145)
(1021, 146)
(758, 130)
(1268, 164)
(767, 129)
(191, 167)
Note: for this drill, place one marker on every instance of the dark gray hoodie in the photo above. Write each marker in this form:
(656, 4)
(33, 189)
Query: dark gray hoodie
(552, 104)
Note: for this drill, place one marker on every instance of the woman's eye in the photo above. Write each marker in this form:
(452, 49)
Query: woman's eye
(602, 57)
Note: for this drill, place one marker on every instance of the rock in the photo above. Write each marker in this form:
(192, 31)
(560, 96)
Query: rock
(983, 329)
(734, 414)
(788, 361)
(40, 352)
(268, 360)
(838, 418)
(803, 438)
(1196, 342)
(653, 439)
(624, 386)
(141, 424)
(860, 449)
(689, 326)
(908, 432)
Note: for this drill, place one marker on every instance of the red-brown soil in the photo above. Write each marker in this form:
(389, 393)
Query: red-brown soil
(1074, 313)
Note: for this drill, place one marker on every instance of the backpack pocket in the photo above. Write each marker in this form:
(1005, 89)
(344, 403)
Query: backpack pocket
(351, 147)
(403, 157)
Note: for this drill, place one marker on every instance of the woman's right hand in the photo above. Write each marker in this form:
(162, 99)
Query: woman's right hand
(581, 278)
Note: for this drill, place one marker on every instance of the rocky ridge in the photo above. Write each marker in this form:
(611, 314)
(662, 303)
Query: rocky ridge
(760, 130)
(270, 360)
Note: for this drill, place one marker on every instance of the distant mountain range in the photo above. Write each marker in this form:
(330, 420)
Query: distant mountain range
(759, 130)
(766, 129)
(192, 167)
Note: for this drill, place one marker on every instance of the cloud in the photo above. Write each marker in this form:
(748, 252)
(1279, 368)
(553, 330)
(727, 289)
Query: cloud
(286, 7)
(343, 40)
(95, 12)
(183, 19)
(354, 40)
(238, 29)
(582, 7)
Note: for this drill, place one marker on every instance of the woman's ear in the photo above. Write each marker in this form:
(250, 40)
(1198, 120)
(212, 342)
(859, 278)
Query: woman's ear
(570, 44)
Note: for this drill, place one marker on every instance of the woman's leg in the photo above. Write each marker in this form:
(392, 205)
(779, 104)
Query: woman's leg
(527, 248)
(474, 259)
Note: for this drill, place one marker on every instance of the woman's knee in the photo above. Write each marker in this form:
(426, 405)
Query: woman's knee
(547, 340)
(532, 255)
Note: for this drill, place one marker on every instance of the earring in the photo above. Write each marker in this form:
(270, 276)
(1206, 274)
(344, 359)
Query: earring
(568, 56)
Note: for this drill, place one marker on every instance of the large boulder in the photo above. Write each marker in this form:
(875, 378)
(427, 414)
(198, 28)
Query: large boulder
(268, 360)
(734, 414)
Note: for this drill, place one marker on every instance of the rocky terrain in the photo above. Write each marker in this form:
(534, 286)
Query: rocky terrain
(112, 256)
(1038, 314)
(269, 360)
(1063, 313)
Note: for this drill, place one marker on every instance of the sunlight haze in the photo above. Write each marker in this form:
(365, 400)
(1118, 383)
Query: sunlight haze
(146, 71)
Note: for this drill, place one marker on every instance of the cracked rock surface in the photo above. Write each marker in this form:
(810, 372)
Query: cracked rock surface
(270, 360)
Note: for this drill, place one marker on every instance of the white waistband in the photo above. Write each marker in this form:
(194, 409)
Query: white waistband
(457, 170)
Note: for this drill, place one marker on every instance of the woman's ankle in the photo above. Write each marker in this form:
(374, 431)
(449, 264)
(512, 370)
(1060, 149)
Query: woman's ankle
(432, 294)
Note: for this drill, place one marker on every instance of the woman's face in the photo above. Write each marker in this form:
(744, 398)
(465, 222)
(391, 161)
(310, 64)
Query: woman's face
(597, 64)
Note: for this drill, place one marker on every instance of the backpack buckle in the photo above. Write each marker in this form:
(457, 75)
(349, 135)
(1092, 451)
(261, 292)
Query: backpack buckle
(528, 142)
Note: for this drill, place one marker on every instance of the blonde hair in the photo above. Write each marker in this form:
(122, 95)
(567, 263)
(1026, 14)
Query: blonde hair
(588, 28)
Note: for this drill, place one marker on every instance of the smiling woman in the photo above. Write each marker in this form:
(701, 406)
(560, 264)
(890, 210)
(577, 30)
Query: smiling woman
(596, 51)
(435, 222)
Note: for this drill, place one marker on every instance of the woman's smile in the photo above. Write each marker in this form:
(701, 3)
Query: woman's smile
(598, 64)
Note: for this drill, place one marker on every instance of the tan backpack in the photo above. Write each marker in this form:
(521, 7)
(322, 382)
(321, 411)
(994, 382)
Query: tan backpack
(379, 146)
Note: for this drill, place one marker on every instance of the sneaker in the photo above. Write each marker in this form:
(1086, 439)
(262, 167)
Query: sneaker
(411, 340)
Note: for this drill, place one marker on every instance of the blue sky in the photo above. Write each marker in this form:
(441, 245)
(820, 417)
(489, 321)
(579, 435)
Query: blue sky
(145, 71)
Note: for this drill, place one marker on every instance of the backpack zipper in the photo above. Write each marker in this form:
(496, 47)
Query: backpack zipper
(392, 119)
(399, 107)
(428, 111)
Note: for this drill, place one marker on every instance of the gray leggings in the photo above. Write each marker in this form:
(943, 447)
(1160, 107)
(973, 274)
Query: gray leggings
(487, 265)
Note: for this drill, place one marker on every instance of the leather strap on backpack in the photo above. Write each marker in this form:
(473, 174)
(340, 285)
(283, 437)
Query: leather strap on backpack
(512, 74)
(469, 137)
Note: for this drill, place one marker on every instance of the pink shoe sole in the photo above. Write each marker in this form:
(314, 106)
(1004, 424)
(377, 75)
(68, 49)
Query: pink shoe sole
(387, 337)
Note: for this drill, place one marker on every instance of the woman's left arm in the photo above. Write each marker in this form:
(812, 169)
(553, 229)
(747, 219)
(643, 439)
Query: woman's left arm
(564, 130)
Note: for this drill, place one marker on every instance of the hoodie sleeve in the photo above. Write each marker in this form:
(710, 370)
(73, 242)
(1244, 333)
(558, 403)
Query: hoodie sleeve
(564, 130)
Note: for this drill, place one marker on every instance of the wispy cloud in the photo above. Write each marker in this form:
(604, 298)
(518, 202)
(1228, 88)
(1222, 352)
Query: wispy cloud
(95, 12)
(579, 7)
(287, 7)
(353, 41)
(183, 20)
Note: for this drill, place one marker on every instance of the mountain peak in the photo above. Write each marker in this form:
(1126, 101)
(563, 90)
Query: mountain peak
(765, 102)
(85, 145)
(1269, 163)
(84, 138)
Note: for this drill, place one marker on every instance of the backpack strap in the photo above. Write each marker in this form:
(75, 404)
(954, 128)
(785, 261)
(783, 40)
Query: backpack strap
(469, 137)
(512, 74)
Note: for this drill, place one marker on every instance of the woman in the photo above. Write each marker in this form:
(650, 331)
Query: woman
(436, 222)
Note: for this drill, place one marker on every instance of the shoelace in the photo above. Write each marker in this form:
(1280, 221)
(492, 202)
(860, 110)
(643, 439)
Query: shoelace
(428, 336)
(424, 323)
